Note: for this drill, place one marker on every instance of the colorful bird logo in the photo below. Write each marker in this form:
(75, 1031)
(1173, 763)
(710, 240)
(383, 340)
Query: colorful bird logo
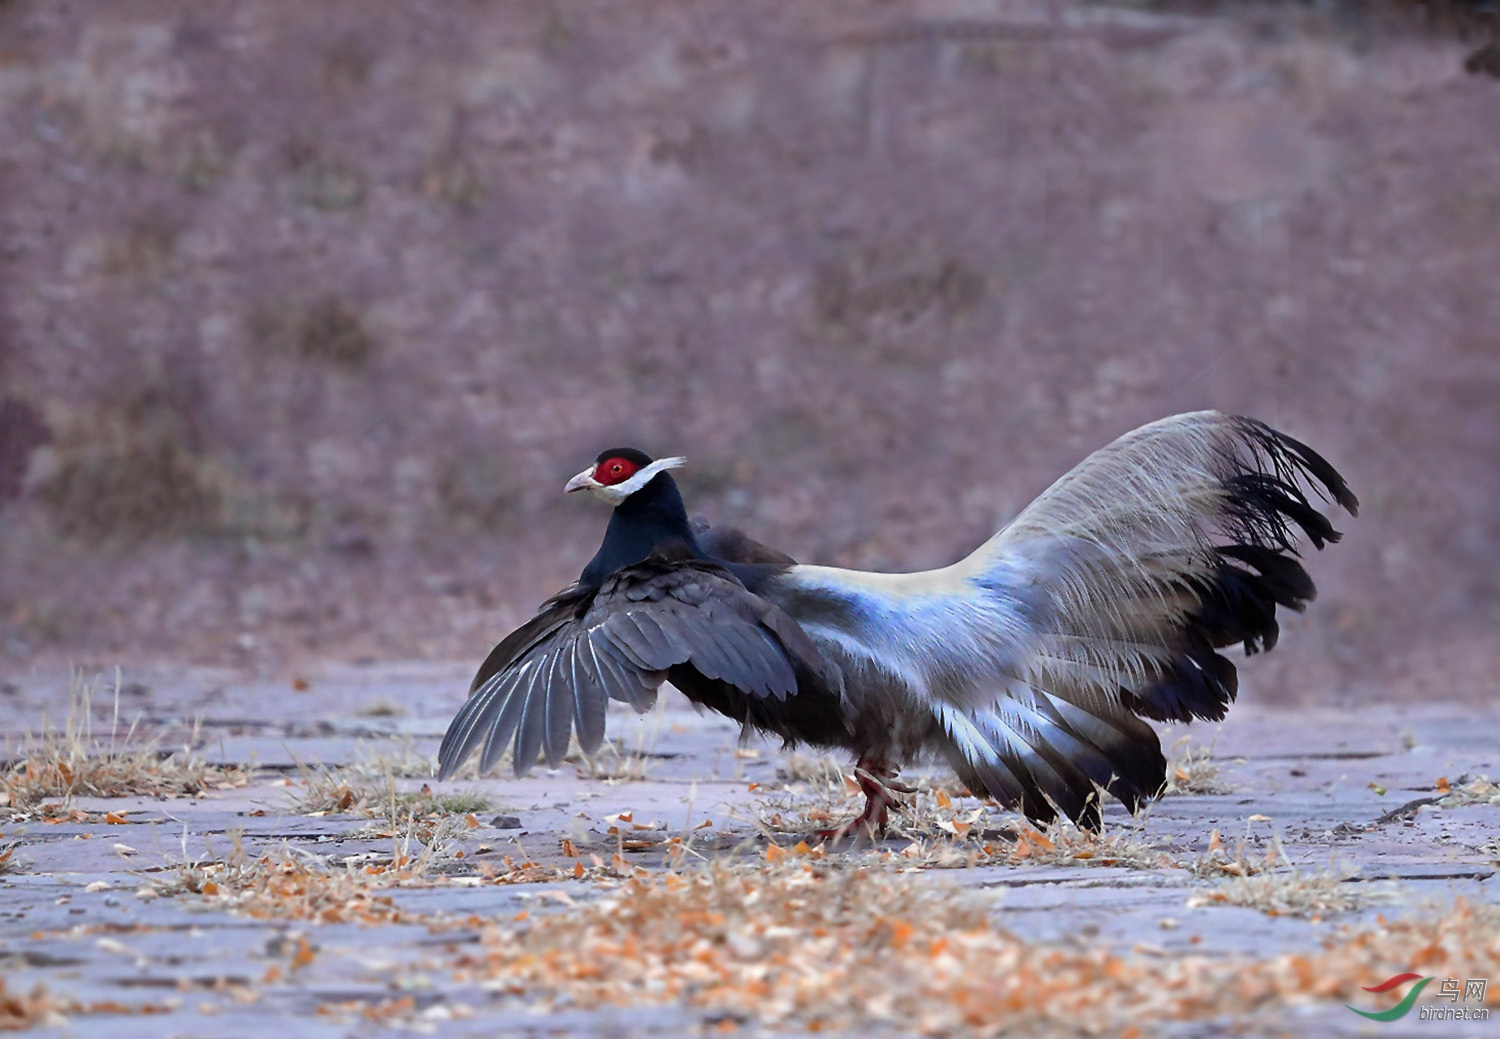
(1401, 1008)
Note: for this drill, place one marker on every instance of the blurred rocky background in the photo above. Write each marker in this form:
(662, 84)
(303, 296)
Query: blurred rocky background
(307, 311)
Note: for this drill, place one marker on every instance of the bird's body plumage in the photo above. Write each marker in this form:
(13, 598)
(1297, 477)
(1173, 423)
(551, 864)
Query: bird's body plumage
(1028, 665)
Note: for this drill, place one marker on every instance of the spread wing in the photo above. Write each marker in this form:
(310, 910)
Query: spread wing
(556, 673)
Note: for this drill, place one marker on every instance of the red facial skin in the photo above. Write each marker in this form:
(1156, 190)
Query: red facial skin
(614, 470)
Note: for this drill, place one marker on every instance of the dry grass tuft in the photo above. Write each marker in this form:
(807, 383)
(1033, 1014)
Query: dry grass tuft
(74, 762)
(368, 786)
(35, 1009)
(1218, 862)
(949, 839)
(290, 883)
(293, 884)
(1271, 883)
(949, 831)
(1063, 844)
(803, 944)
(616, 763)
(40, 1008)
(612, 764)
(354, 790)
(1193, 770)
(1285, 892)
(815, 769)
(809, 801)
(1469, 791)
(286, 884)
(401, 759)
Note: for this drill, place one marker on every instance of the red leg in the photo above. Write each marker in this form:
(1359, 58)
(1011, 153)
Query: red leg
(877, 780)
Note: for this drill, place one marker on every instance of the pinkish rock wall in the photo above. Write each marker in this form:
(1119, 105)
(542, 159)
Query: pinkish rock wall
(307, 311)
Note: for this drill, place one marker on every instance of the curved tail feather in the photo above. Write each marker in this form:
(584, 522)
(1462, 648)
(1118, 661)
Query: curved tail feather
(1107, 600)
(1174, 542)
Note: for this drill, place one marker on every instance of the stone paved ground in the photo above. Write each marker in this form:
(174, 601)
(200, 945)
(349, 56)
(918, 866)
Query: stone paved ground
(71, 917)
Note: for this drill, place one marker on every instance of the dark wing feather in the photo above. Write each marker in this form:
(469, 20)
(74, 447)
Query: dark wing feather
(556, 672)
(533, 696)
(566, 605)
(560, 698)
(505, 711)
(630, 633)
(620, 677)
(589, 698)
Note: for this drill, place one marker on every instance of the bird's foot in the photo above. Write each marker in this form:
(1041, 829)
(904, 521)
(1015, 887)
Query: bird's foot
(877, 780)
(871, 821)
(882, 780)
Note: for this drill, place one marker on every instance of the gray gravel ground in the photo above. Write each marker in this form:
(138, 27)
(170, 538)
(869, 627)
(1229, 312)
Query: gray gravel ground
(1325, 781)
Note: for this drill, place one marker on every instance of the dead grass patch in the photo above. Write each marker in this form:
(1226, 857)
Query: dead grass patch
(955, 839)
(804, 943)
(41, 1008)
(368, 787)
(815, 792)
(1468, 791)
(337, 791)
(293, 884)
(949, 831)
(401, 759)
(1272, 883)
(1063, 844)
(815, 769)
(35, 1009)
(353, 790)
(621, 760)
(612, 763)
(1219, 861)
(1289, 891)
(1194, 770)
(289, 884)
(75, 762)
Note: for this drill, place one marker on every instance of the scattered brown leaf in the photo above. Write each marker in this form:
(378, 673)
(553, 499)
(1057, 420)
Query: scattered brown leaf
(802, 942)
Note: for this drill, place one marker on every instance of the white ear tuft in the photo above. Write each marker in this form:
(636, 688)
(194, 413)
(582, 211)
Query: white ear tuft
(620, 491)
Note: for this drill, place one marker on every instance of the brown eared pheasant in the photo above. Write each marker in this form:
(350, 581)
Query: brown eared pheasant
(1029, 665)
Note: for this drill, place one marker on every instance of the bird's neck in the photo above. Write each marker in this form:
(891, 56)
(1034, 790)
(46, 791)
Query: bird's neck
(651, 518)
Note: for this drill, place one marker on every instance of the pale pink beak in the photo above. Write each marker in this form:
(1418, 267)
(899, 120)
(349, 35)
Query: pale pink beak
(583, 481)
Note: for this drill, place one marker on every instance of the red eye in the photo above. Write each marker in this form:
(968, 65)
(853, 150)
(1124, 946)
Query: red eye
(614, 470)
